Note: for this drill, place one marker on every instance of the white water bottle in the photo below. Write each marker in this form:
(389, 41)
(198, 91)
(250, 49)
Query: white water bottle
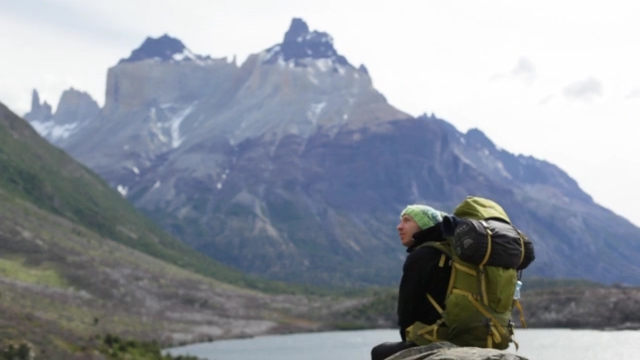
(516, 294)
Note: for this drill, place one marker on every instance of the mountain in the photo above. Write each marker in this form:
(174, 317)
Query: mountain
(292, 165)
(80, 267)
(75, 109)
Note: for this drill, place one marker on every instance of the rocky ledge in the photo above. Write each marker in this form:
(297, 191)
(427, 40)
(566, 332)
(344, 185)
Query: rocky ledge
(449, 351)
(584, 307)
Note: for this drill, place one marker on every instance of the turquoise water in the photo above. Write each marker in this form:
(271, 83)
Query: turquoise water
(355, 345)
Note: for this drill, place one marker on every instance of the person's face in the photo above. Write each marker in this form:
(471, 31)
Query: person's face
(406, 228)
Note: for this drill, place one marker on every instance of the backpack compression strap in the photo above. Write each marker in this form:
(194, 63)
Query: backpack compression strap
(482, 282)
(431, 332)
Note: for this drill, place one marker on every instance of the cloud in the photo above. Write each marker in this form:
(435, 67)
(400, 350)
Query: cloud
(524, 67)
(73, 18)
(633, 94)
(545, 100)
(524, 71)
(585, 90)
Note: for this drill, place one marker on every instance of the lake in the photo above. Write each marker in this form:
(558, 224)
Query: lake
(356, 345)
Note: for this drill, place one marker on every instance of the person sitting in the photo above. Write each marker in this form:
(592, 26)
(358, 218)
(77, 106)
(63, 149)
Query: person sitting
(425, 271)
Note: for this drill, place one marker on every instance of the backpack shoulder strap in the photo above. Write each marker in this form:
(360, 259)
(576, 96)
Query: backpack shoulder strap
(441, 245)
(444, 247)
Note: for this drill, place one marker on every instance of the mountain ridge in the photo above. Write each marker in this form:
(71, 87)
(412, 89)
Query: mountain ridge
(308, 159)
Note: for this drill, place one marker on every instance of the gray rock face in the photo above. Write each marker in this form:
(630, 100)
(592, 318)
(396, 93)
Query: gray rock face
(448, 351)
(293, 166)
(155, 106)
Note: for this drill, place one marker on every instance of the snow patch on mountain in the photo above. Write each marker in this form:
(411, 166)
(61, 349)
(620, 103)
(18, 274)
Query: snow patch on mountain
(123, 190)
(324, 64)
(269, 53)
(313, 79)
(167, 126)
(175, 122)
(314, 111)
(220, 183)
(188, 55)
(52, 131)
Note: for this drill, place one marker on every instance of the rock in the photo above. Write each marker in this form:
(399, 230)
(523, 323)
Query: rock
(449, 351)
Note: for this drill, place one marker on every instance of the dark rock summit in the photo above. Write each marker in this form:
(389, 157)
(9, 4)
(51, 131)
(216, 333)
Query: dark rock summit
(300, 43)
(164, 48)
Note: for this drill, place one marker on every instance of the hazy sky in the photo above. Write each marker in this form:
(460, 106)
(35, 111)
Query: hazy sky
(558, 80)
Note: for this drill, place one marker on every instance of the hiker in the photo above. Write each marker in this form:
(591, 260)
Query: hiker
(425, 271)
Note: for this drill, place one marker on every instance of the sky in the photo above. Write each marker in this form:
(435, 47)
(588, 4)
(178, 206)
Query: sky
(556, 80)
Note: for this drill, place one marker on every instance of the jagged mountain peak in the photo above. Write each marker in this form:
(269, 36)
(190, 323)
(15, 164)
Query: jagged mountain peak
(164, 48)
(73, 92)
(39, 111)
(297, 29)
(35, 100)
(301, 43)
(478, 136)
(73, 99)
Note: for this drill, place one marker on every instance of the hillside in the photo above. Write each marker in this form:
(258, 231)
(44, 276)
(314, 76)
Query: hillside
(62, 285)
(78, 264)
(35, 171)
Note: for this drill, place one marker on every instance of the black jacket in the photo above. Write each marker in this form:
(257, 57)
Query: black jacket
(421, 274)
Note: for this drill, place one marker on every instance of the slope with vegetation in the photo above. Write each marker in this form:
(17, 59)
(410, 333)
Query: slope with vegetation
(80, 268)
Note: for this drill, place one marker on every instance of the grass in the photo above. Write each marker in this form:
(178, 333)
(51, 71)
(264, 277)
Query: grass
(16, 269)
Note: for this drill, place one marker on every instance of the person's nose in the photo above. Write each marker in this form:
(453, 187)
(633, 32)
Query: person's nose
(399, 227)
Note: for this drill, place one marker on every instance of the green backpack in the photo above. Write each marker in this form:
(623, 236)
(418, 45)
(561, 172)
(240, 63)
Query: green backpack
(486, 253)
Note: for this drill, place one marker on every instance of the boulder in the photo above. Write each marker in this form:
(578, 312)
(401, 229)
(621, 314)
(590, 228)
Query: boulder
(449, 351)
